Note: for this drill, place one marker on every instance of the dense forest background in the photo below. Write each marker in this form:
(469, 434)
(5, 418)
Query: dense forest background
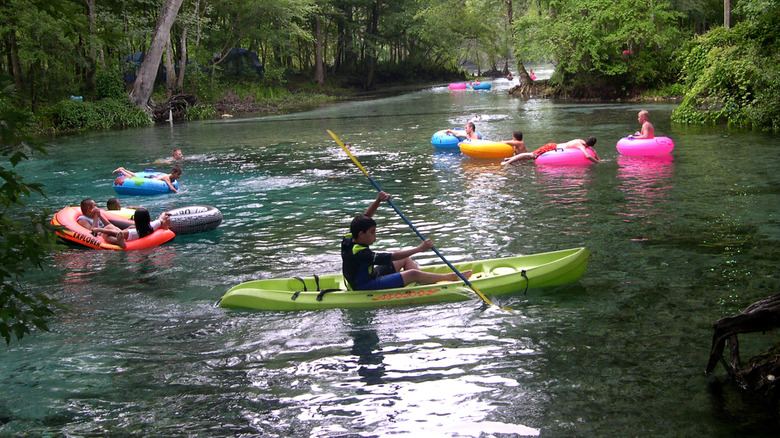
(723, 52)
(71, 65)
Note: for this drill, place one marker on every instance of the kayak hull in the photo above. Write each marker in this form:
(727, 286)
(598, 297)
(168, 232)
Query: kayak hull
(491, 277)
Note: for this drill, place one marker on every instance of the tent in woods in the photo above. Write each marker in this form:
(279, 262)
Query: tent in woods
(133, 62)
(241, 62)
(238, 62)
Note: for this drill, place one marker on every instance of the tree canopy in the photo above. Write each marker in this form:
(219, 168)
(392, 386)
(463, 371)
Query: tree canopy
(733, 75)
(602, 49)
(25, 237)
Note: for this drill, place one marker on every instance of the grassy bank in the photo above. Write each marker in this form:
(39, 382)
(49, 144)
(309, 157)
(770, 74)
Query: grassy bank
(206, 98)
(117, 112)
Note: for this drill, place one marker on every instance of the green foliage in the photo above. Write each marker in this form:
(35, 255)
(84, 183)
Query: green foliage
(59, 45)
(445, 31)
(109, 85)
(198, 82)
(733, 75)
(274, 76)
(72, 116)
(699, 15)
(200, 112)
(586, 39)
(666, 92)
(25, 237)
(46, 35)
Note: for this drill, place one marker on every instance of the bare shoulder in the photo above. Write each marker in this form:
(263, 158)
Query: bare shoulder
(573, 143)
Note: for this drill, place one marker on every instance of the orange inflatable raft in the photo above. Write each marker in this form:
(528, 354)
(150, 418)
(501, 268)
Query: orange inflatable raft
(72, 231)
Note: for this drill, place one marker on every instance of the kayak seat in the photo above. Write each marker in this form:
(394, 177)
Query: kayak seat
(503, 270)
(295, 285)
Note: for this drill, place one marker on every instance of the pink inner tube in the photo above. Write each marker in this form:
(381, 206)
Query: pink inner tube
(562, 157)
(645, 146)
(458, 86)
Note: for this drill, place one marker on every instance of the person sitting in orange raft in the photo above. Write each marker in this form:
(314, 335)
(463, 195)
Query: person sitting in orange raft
(95, 221)
(586, 146)
(144, 225)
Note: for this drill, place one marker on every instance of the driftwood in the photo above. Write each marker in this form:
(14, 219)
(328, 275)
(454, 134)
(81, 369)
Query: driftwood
(529, 88)
(762, 371)
(175, 107)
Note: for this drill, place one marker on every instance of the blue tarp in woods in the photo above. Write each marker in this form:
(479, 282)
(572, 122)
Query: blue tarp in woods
(242, 61)
(133, 63)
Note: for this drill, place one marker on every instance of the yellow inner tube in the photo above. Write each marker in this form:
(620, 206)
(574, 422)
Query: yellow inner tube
(486, 149)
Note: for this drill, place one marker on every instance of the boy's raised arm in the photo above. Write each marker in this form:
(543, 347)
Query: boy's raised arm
(380, 198)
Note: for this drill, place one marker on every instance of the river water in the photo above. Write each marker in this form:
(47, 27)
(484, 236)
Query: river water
(141, 348)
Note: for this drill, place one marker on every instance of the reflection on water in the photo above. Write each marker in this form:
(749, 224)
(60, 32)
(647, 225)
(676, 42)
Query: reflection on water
(365, 347)
(80, 265)
(482, 177)
(645, 184)
(378, 371)
(566, 188)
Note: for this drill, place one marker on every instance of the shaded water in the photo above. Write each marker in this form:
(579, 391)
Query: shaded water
(143, 350)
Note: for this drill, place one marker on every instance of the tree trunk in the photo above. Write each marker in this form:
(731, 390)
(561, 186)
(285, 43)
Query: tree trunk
(144, 82)
(16, 67)
(348, 53)
(319, 72)
(373, 31)
(727, 13)
(91, 41)
(525, 79)
(182, 60)
(511, 24)
(170, 68)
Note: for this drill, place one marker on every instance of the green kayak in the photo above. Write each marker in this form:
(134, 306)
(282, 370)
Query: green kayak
(491, 277)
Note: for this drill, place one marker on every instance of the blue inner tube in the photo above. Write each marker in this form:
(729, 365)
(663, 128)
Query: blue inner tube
(443, 140)
(143, 184)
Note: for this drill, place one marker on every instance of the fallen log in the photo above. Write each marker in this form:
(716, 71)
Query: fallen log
(530, 88)
(175, 108)
(761, 372)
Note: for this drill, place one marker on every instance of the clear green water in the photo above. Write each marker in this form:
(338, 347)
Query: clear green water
(143, 350)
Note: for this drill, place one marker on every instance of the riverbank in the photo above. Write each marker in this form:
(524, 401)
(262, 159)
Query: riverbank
(209, 100)
(300, 92)
(543, 89)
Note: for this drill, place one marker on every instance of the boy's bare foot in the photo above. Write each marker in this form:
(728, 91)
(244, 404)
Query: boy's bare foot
(465, 274)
